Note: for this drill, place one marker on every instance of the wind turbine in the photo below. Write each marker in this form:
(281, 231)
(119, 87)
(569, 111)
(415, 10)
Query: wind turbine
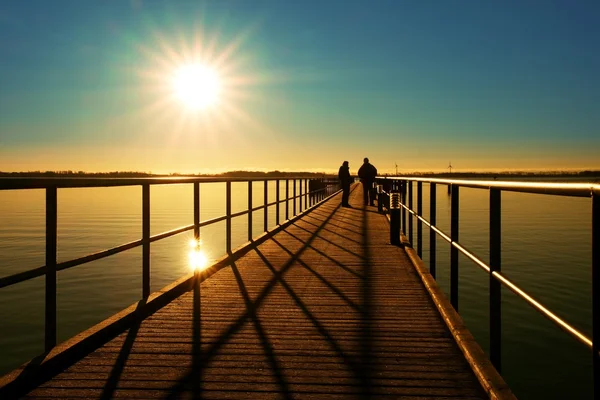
(450, 169)
(396, 169)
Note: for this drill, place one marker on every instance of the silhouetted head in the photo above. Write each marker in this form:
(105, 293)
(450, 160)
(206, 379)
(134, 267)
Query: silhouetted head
(345, 163)
(366, 160)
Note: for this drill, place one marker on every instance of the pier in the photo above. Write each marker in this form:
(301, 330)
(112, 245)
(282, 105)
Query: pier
(323, 306)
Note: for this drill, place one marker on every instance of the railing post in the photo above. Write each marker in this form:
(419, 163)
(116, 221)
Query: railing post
(454, 250)
(197, 211)
(250, 210)
(228, 215)
(321, 189)
(395, 218)
(145, 240)
(266, 201)
(317, 190)
(410, 217)
(277, 201)
(287, 199)
(432, 221)
(294, 191)
(596, 290)
(495, 289)
(306, 196)
(380, 198)
(51, 242)
(419, 222)
(300, 195)
(403, 191)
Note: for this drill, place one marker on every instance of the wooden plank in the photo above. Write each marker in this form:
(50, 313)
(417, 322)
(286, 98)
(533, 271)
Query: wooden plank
(325, 309)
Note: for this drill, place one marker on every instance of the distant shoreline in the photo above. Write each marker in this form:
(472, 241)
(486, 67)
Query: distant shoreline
(134, 174)
(587, 174)
(583, 174)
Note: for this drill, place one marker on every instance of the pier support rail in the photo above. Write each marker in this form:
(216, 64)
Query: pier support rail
(316, 190)
(321, 306)
(395, 187)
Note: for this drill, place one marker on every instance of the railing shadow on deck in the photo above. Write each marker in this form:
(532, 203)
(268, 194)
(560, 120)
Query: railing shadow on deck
(358, 363)
(117, 370)
(359, 367)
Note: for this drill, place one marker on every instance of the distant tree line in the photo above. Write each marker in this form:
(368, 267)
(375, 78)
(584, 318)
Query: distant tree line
(275, 174)
(271, 174)
(69, 173)
(135, 174)
(512, 174)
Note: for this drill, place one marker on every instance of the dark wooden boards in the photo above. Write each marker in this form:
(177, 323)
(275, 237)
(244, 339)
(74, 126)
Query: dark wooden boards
(326, 309)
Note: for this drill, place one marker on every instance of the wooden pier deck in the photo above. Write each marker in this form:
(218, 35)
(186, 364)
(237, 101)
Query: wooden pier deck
(324, 309)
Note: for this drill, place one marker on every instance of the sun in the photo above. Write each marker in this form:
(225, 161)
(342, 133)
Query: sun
(197, 86)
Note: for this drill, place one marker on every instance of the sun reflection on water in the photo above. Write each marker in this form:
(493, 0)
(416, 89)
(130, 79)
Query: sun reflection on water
(198, 260)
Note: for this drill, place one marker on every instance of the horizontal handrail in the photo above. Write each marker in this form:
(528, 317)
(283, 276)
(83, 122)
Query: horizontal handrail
(403, 186)
(8, 183)
(547, 313)
(509, 284)
(316, 195)
(172, 232)
(239, 214)
(554, 188)
(19, 277)
(22, 276)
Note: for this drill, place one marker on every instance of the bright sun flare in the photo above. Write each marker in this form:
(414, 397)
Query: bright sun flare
(197, 86)
(198, 82)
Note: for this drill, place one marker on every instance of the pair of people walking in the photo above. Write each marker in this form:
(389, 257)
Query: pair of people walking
(367, 173)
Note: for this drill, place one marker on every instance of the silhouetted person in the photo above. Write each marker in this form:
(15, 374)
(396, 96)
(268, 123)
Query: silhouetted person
(345, 180)
(367, 173)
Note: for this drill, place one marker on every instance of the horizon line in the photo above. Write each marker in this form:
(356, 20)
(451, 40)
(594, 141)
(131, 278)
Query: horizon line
(322, 172)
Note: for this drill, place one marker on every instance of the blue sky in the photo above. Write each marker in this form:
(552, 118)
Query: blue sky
(488, 85)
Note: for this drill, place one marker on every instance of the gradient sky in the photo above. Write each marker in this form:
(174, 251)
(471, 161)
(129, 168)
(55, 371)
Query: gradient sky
(488, 85)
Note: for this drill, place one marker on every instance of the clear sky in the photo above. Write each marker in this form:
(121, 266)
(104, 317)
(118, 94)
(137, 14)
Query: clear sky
(305, 85)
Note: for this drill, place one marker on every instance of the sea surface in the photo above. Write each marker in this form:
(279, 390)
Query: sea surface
(546, 250)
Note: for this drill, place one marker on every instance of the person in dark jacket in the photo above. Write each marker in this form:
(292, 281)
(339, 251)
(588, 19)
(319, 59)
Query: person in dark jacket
(367, 173)
(345, 180)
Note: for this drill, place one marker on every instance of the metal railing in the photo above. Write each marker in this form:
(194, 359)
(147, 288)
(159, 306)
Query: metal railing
(311, 191)
(398, 188)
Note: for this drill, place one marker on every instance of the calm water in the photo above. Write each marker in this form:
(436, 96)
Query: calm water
(546, 249)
